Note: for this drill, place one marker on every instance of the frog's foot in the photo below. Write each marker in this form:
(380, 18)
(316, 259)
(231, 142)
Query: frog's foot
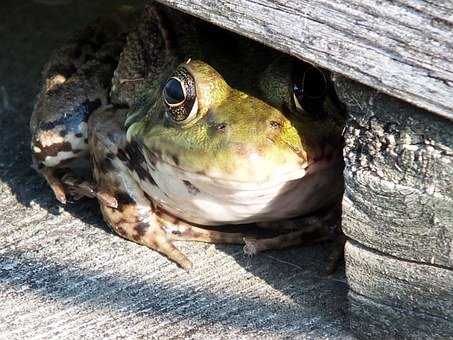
(306, 236)
(65, 184)
(182, 231)
(137, 222)
(306, 230)
(78, 187)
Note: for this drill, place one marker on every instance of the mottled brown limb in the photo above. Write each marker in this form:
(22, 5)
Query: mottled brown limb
(189, 232)
(141, 226)
(306, 236)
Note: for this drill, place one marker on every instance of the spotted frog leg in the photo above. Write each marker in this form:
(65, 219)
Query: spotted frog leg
(76, 82)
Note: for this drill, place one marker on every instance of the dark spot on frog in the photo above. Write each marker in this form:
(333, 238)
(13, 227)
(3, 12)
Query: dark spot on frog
(123, 156)
(172, 231)
(149, 199)
(51, 150)
(144, 175)
(134, 152)
(71, 121)
(141, 228)
(192, 189)
(175, 159)
(135, 161)
(123, 199)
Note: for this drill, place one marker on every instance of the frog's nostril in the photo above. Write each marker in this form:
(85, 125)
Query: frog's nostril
(275, 125)
(221, 127)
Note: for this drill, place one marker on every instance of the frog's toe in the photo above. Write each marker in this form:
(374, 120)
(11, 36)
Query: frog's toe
(58, 190)
(55, 184)
(251, 246)
(164, 246)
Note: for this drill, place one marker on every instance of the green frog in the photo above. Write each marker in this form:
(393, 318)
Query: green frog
(184, 131)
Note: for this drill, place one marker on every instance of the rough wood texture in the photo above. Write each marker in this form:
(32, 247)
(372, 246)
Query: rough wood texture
(376, 321)
(397, 209)
(403, 48)
(398, 175)
(394, 298)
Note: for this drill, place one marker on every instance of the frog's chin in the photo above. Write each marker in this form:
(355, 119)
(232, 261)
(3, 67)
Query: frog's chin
(212, 200)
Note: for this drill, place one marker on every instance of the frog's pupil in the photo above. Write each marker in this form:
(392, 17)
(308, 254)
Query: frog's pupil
(314, 83)
(311, 84)
(173, 92)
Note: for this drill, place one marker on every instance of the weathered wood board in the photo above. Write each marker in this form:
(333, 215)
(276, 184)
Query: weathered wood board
(398, 212)
(398, 175)
(403, 48)
(377, 321)
(395, 298)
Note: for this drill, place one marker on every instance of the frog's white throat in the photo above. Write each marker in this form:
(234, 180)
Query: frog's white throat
(206, 200)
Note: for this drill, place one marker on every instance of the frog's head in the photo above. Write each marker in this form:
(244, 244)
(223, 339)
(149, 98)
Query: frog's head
(275, 128)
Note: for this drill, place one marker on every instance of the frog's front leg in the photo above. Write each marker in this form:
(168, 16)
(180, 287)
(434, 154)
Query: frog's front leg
(137, 217)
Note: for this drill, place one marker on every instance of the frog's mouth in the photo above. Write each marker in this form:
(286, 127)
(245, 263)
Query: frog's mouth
(326, 158)
(169, 166)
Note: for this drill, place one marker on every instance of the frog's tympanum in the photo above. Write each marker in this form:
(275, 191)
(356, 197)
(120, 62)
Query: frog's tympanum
(183, 131)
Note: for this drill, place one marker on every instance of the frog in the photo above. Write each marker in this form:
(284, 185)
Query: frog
(182, 130)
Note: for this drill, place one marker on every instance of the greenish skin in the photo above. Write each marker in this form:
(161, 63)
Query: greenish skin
(159, 179)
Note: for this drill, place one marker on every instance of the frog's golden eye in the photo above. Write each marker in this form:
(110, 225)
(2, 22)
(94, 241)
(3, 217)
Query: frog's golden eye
(309, 89)
(179, 95)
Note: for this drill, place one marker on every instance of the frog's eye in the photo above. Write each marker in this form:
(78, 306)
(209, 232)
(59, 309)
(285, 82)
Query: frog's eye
(179, 95)
(174, 93)
(309, 89)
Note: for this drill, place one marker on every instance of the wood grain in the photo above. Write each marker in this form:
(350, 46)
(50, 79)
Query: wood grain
(398, 176)
(403, 48)
(398, 299)
(397, 212)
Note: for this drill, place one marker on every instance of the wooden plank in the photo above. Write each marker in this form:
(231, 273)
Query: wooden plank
(403, 48)
(398, 176)
(398, 299)
(397, 212)
(372, 320)
(391, 281)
